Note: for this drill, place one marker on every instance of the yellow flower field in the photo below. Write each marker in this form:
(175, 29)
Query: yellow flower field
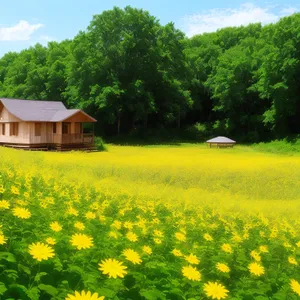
(168, 222)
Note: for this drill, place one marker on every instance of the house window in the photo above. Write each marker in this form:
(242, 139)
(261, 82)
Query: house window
(78, 128)
(66, 128)
(54, 127)
(37, 129)
(3, 129)
(14, 128)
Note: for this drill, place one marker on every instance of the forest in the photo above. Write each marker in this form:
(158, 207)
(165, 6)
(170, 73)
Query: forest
(138, 77)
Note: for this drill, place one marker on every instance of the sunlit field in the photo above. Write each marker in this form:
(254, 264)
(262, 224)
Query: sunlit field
(159, 222)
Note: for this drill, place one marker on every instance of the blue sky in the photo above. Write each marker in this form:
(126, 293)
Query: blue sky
(26, 22)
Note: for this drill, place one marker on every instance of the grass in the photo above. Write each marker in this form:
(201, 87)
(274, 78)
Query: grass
(280, 147)
(170, 214)
(241, 173)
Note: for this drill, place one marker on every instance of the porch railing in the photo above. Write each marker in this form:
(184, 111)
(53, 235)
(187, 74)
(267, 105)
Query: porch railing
(73, 138)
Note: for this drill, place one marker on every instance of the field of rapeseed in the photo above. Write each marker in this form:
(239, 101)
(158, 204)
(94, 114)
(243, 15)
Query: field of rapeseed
(181, 222)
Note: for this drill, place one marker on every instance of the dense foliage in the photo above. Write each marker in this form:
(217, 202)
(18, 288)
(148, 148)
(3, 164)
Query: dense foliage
(149, 223)
(133, 74)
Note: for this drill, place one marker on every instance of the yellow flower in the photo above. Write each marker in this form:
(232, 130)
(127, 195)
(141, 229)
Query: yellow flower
(177, 252)
(208, 237)
(287, 245)
(128, 225)
(157, 241)
(113, 268)
(2, 189)
(116, 224)
(292, 261)
(82, 241)
(254, 254)
(22, 213)
(51, 241)
(226, 248)
(263, 249)
(192, 259)
(72, 211)
(131, 236)
(147, 250)
(113, 234)
(295, 286)
(156, 221)
(94, 206)
(298, 244)
(90, 215)
(223, 267)
(191, 273)
(236, 238)
(22, 202)
(256, 269)
(79, 226)
(246, 236)
(4, 204)
(180, 236)
(84, 296)
(14, 190)
(215, 290)
(55, 226)
(3, 239)
(41, 251)
(132, 256)
(158, 233)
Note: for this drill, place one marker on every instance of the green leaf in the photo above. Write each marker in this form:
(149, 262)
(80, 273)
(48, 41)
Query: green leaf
(2, 288)
(153, 294)
(33, 293)
(106, 292)
(24, 269)
(7, 256)
(38, 276)
(49, 289)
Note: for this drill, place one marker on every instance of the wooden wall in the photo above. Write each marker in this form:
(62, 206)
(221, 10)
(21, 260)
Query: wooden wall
(21, 138)
(23, 129)
(6, 116)
(46, 136)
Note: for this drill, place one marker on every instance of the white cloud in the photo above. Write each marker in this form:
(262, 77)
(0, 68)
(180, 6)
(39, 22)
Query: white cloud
(19, 32)
(212, 20)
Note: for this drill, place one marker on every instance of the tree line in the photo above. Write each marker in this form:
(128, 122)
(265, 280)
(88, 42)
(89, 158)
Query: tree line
(133, 75)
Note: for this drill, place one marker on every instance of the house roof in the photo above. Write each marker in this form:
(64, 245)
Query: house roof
(40, 111)
(221, 140)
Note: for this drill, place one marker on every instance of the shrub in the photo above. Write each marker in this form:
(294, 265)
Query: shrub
(100, 144)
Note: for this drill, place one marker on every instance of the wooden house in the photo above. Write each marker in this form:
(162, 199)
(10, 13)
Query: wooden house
(32, 124)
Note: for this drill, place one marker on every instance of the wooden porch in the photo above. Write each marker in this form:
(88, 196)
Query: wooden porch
(74, 141)
(73, 138)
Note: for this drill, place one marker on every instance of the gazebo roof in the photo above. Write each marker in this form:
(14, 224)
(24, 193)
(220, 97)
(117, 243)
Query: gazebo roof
(221, 140)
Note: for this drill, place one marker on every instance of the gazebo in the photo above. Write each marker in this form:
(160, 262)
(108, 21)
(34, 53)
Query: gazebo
(221, 141)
